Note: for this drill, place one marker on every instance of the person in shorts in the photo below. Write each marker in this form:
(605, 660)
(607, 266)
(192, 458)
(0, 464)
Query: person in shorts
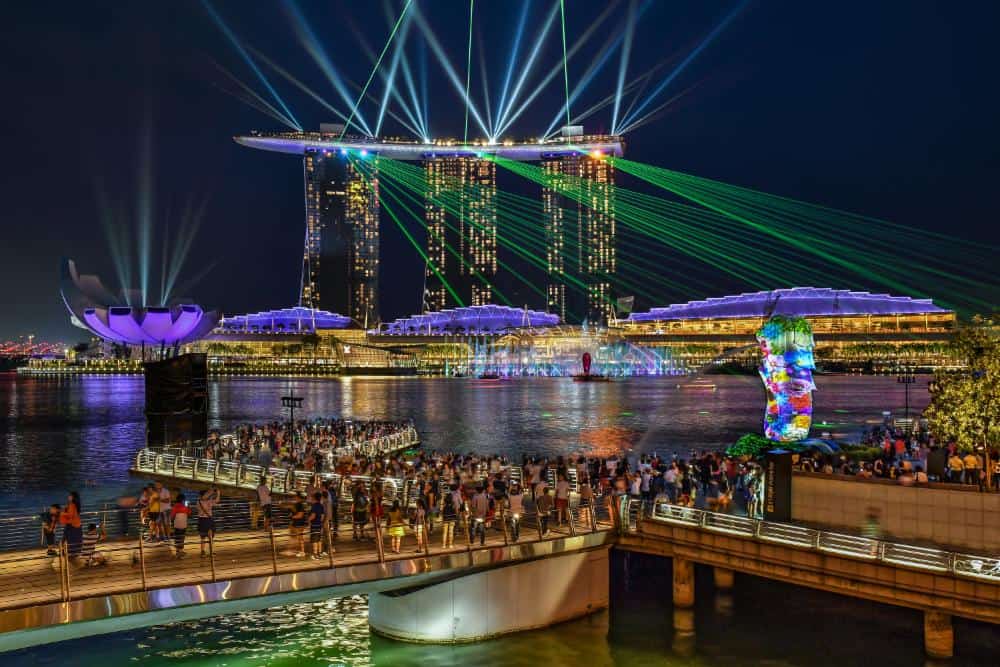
(153, 514)
(264, 498)
(179, 514)
(50, 521)
(359, 512)
(207, 501)
(317, 517)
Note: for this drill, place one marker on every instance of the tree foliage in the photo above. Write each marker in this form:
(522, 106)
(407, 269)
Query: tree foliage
(965, 403)
(754, 446)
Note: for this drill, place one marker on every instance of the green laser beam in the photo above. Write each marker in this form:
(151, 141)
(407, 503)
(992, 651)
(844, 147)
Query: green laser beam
(378, 62)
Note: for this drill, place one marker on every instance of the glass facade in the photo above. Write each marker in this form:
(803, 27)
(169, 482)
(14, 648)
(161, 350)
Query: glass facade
(340, 261)
(461, 219)
(580, 235)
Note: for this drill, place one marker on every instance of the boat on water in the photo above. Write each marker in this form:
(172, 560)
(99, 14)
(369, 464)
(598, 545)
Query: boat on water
(587, 377)
(489, 376)
(698, 385)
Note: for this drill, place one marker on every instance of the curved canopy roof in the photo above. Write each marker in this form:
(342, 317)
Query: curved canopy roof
(290, 320)
(795, 301)
(471, 320)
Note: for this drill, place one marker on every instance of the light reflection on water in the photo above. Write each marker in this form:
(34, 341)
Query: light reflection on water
(82, 432)
(760, 623)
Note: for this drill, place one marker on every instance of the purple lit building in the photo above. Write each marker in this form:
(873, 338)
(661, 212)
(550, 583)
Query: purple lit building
(792, 302)
(284, 320)
(471, 320)
(114, 319)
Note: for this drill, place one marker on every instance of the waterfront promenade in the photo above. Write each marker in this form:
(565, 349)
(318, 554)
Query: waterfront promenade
(141, 577)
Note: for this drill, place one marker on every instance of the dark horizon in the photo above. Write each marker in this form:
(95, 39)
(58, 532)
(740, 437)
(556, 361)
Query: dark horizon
(884, 110)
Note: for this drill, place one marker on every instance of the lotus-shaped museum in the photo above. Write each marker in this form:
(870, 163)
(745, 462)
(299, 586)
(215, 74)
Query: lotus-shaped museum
(109, 316)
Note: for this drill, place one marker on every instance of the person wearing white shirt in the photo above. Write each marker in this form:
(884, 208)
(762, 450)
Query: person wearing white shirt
(264, 498)
(562, 499)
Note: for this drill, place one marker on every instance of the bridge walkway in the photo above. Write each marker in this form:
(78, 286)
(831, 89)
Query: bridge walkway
(29, 577)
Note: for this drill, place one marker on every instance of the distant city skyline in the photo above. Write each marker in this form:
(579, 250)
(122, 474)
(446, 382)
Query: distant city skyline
(854, 116)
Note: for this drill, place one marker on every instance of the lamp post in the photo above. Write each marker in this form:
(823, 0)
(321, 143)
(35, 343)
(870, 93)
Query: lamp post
(291, 402)
(906, 378)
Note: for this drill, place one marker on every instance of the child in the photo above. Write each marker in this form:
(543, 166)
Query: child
(89, 555)
(49, 523)
(179, 514)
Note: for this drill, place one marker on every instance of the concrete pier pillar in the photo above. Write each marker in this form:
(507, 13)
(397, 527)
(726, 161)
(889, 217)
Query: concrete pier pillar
(723, 578)
(939, 640)
(683, 642)
(683, 582)
(522, 596)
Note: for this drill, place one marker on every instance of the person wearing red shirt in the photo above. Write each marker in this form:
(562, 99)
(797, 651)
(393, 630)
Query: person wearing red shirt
(72, 528)
(179, 514)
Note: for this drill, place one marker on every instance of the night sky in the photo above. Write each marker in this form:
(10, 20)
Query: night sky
(883, 108)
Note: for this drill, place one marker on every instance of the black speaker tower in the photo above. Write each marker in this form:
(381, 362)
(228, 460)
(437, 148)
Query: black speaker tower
(177, 400)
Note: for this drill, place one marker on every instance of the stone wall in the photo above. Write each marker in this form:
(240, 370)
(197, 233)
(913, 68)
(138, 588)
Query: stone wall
(949, 517)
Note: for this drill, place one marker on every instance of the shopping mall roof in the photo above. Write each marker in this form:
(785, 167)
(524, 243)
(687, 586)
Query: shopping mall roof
(487, 319)
(297, 319)
(801, 301)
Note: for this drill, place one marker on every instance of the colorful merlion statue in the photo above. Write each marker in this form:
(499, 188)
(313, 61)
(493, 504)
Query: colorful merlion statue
(786, 345)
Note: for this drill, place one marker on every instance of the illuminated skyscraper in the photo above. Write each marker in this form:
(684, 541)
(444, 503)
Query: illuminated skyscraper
(597, 227)
(580, 234)
(461, 218)
(340, 261)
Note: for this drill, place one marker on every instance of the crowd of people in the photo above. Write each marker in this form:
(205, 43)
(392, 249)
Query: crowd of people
(910, 458)
(431, 492)
(305, 445)
(448, 493)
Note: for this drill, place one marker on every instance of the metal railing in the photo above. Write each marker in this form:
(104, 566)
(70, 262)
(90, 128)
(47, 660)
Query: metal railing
(248, 476)
(240, 547)
(379, 446)
(853, 546)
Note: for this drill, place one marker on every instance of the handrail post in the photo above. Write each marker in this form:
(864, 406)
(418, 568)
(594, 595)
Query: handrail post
(329, 540)
(173, 468)
(427, 536)
(571, 519)
(142, 561)
(65, 559)
(468, 531)
(379, 547)
(211, 552)
(503, 522)
(538, 524)
(274, 549)
(63, 576)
